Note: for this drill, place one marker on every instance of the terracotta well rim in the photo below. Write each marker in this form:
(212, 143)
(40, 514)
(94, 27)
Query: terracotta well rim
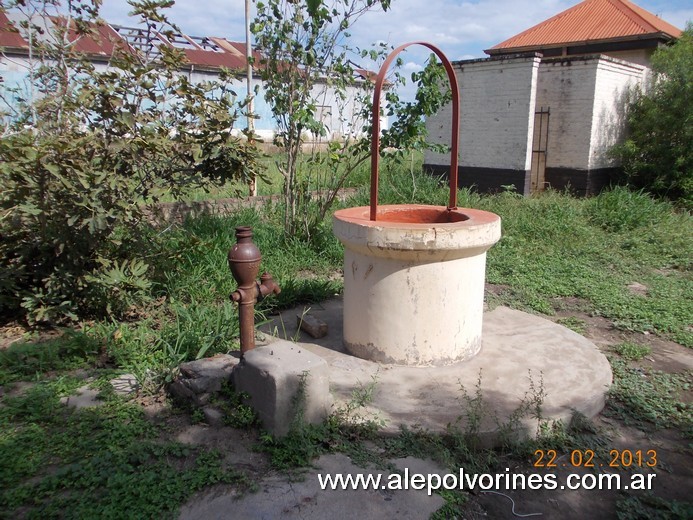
(416, 216)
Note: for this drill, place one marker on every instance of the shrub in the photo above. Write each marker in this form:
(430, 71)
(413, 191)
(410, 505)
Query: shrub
(83, 149)
(658, 154)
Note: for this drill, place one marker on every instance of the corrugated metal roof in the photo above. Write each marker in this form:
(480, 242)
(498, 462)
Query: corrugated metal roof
(203, 52)
(213, 59)
(591, 21)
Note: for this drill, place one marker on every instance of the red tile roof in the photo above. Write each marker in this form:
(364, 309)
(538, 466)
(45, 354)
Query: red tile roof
(101, 40)
(9, 36)
(202, 53)
(590, 21)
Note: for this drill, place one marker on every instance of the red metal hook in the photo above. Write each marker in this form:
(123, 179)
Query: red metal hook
(375, 138)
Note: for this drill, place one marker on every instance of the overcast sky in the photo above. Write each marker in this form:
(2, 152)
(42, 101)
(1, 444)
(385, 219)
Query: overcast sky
(462, 29)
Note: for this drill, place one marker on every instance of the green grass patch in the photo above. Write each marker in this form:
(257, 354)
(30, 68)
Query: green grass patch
(575, 324)
(651, 507)
(632, 351)
(104, 462)
(649, 398)
(33, 360)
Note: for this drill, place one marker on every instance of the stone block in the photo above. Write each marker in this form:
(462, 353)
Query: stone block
(84, 397)
(311, 325)
(285, 383)
(125, 384)
(213, 416)
(201, 378)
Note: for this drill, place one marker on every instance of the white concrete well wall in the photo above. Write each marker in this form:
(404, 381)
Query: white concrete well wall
(414, 289)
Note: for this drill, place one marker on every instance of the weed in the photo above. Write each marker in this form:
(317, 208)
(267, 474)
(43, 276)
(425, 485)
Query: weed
(352, 412)
(575, 324)
(621, 209)
(197, 416)
(343, 431)
(474, 413)
(651, 507)
(454, 500)
(632, 351)
(71, 350)
(648, 397)
(237, 413)
(515, 429)
(104, 462)
(511, 431)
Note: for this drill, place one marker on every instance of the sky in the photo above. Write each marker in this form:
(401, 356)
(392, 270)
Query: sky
(462, 29)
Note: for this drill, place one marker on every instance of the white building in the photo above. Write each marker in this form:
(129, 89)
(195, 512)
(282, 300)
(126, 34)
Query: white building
(205, 57)
(550, 102)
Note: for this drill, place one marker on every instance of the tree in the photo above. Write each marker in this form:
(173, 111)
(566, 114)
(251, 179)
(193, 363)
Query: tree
(83, 149)
(306, 54)
(658, 154)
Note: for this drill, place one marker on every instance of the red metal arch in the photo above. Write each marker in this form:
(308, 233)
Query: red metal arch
(375, 138)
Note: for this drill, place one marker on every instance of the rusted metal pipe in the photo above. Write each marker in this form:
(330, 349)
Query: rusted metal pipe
(244, 262)
(375, 138)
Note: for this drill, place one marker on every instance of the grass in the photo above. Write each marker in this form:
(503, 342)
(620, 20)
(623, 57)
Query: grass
(36, 360)
(114, 462)
(105, 462)
(632, 351)
(555, 247)
(651, 507)
(649, 398)
(270, 180)
(575, 324)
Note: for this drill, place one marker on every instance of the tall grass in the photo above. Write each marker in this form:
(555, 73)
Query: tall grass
(553, 247)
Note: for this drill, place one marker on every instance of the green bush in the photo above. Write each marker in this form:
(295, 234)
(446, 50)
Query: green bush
(83, 149)
(658, 154)
(621, 209)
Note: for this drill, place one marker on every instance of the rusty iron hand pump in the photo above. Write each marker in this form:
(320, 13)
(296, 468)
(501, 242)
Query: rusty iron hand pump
(244, 261)
(375, 138)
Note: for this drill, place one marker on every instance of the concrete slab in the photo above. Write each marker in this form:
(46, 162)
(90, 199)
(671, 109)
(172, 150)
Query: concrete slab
(306, 500)
(523, 358)
(84, 397)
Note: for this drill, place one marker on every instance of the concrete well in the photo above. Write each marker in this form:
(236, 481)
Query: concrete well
(414, 282)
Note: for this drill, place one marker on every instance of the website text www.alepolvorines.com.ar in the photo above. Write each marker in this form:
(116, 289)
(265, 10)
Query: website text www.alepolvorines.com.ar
(432, 482)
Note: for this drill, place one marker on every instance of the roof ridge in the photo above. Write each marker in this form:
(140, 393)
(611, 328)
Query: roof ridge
(541, 24)
(658, 24)
(592, 20)
(626, 8)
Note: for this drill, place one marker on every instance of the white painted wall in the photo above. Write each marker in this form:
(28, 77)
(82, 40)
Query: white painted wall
(341, 114)
(587, 98)
(497, 103)
(566, 86)
(638, 56)
(615, 79)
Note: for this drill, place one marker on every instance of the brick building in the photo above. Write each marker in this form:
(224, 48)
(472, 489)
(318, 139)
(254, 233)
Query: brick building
(547, 105)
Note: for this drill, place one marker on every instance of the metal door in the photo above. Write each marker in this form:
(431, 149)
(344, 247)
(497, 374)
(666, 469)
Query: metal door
(540, 142)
